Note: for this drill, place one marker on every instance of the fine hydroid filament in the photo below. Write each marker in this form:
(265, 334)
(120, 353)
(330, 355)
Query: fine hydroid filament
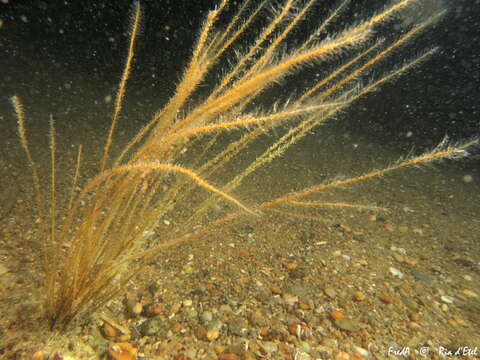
(105, 226)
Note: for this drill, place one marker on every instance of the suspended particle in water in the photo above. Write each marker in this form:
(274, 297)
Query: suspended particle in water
(468, 178)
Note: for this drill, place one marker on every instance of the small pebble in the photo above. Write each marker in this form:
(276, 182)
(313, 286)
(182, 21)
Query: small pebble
(337, 315)
(206, 316)
(291, 266)
(399, 258)
(201, 334)
(137, 308)
(386, 299)
(415, 317)
(330, 292)
(361, 351)
(396, 272)
(359, 296)
(219, 348)
(469, 293)
(342, 356)
(290, 299)
(175, 308)
(154, 309)
(39, 355)
(109, 332)
(269, 347)
(294, 328)
(276, 290)
(123, 351)
(447, 299)
(213, 334)
(244, 252)
(305, 346)
(421, 276)
(304, 306)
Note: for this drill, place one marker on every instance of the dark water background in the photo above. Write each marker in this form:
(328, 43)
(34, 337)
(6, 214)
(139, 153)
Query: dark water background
(65, 58)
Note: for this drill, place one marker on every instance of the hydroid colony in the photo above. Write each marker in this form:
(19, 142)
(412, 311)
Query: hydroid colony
(104, 225)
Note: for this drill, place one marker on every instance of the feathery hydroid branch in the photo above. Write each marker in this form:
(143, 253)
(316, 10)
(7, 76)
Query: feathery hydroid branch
(107, 226)
(442, 151)
(134, 30)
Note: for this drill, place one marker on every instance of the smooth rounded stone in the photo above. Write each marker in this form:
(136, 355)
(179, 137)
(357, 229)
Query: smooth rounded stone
(447, 299)
(304, 346)
(216, 324)
(225, 308)
(3, 269)
(276, 290)
(306, 304)
(257, 318)
(348, 324)
(152, 310)
(418, 275)
(153, 327)
(359, 296)
(188, 269)
(237, 326)
(469, 293)
(137, 308)
(330, 292)
(410, 261)
(191, 353)
(269, 347)
(39, 355)
(341, 355)
(201, 334)
(399, 258)
(109, 332)
(206, 317)
(415, 317)
(302, 356)
(289, 299)
(395, 272)
(387, 299)
(213, 334)
(361, 351)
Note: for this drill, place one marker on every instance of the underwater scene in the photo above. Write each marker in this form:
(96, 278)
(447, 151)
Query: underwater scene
(239, 180)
